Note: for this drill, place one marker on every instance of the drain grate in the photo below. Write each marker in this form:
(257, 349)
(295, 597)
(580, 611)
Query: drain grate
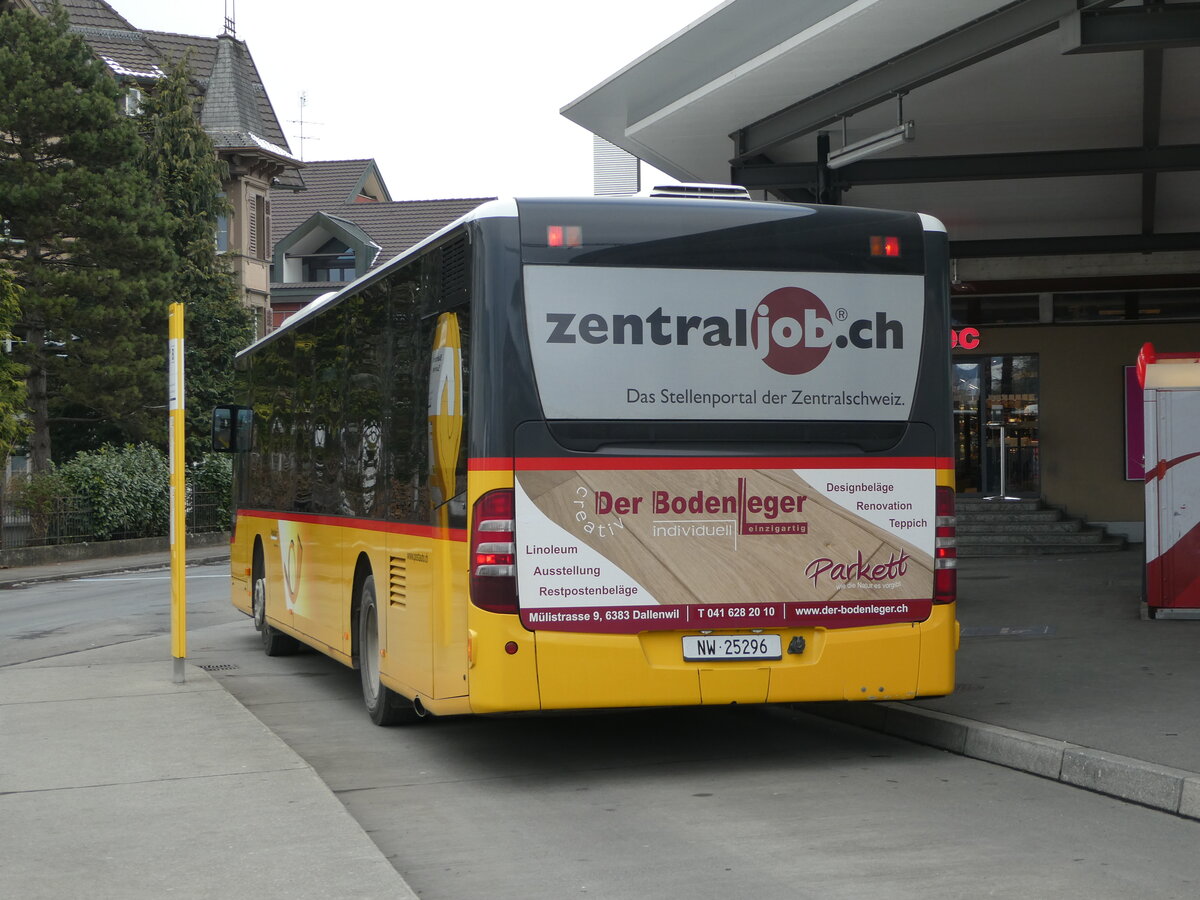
(217, 667)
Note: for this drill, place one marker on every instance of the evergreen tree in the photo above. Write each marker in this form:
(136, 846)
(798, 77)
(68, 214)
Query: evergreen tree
(187, 176)
(89, 247)
(13, 423)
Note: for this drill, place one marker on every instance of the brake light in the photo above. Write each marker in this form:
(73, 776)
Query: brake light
(494, 552)
(885, 245)
(564, 236)
(945, 548)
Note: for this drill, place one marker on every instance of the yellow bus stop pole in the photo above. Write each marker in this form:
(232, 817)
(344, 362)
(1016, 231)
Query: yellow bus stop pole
(175, 406)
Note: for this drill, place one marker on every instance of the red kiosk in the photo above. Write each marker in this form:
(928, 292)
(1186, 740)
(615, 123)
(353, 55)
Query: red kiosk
(1171, 398)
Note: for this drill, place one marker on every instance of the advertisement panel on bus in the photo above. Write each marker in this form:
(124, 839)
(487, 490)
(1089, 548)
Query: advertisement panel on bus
(646, 544)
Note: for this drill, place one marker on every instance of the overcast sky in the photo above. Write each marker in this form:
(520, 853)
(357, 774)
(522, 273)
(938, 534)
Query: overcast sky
(451, 99)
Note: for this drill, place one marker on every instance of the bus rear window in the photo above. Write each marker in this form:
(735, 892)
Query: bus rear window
(721, 234)
(690, 345)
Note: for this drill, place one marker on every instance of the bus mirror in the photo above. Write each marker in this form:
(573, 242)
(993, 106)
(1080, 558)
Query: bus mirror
(231, 428)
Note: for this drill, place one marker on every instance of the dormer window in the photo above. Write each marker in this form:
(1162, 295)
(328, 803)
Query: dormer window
(131, 103)
(334, 261)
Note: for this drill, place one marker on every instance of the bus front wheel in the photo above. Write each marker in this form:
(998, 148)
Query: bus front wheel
(275, 642)
(384, 705)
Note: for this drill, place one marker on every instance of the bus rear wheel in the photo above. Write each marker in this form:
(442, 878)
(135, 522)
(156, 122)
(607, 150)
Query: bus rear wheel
(275, 642)
(384, 706)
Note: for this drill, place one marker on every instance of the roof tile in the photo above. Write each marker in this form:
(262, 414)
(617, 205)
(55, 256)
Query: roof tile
(393, 225)
(146, 54)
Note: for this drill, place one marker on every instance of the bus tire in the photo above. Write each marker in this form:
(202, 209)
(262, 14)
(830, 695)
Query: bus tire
(274, 641)
(384, 706)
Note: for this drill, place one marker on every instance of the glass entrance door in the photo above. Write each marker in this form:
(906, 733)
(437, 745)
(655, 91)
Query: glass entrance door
(968, 443)
(996, 425)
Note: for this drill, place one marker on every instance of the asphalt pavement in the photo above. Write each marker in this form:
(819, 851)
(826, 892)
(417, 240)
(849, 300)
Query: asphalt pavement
(118, 782)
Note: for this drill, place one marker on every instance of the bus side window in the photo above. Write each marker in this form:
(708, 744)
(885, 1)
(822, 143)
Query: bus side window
(232, 429)
(408, 488)
(364, 384)
(428, 343)
(446, 305)
(446, 418)
(458, 501)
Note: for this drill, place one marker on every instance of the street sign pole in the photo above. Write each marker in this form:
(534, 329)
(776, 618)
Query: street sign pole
(175, 406)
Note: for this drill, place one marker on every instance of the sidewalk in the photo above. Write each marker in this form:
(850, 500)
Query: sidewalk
(115, 778)
(1058, 675)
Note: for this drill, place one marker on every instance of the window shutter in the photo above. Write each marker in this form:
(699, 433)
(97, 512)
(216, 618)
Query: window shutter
(266, 229)
(263, 218)
(252, 227)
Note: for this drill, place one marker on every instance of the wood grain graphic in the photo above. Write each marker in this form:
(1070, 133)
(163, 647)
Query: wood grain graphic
(731, 567)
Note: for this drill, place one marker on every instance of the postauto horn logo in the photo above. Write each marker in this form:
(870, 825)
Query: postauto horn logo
(791, 329)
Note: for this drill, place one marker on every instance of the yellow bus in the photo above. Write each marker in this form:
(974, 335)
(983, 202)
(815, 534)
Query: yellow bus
(612, 452)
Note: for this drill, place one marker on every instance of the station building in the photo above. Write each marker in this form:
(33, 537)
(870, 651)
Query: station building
(1059, 142)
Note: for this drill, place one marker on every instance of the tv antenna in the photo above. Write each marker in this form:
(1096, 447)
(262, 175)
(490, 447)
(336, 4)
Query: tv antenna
(301, 122)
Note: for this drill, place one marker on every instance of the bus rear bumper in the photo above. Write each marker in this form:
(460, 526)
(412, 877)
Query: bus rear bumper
(884, 662)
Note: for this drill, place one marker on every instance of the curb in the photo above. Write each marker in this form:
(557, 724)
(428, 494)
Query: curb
(110, 569)
(1174, 791)
(202, 556)
(27, 557)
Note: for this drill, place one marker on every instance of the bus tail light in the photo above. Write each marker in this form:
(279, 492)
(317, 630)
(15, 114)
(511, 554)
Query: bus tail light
(564, 236)
(885, 245)
(945, 552)
(494, 552)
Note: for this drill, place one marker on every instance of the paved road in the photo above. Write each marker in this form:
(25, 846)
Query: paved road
(44, 620)
(698, 803)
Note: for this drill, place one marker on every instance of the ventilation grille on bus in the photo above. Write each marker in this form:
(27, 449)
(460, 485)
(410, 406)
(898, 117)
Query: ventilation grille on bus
(398, 581)
(701, 191)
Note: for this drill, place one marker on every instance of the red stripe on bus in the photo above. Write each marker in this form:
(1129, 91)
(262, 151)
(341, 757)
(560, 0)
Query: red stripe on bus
(425, 531)
(575, 463)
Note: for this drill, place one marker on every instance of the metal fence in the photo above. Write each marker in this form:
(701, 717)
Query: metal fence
(69, 520)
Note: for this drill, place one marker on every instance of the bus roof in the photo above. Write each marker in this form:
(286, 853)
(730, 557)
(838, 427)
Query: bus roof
(508, 208)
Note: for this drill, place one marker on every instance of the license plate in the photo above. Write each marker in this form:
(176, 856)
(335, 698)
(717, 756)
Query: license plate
(732, 646)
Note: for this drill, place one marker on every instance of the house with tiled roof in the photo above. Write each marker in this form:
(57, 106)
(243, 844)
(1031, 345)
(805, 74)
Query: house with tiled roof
(234, 109)
(342, 225)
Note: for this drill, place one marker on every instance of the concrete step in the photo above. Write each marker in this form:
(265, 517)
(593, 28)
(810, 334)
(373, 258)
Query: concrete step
(1045, 549)
(1039, 526)
(1088, 536)
(1003, 515)
(972, 502)
(1024, 527)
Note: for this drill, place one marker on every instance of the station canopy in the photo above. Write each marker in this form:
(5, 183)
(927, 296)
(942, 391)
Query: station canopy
(1038, 127)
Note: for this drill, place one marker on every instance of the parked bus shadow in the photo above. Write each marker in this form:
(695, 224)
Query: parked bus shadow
(698, 739)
